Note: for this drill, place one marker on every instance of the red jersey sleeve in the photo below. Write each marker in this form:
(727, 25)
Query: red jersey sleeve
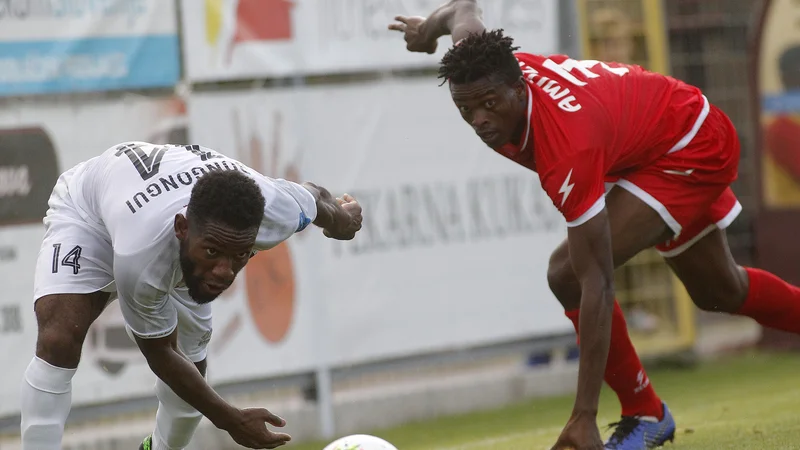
(575, 184)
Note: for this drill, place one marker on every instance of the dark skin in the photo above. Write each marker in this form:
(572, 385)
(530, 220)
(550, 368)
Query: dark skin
(211, 255)
(581, 269)
(496, 111)
(493, 108)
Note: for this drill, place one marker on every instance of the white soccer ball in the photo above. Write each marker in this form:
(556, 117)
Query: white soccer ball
(360, 442)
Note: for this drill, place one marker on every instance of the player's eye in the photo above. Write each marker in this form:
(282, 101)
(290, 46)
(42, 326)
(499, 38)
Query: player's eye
(490, 104)
(244, 255)
(463, 109)
(211, 252)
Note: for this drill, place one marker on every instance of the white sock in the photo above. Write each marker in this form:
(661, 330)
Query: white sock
(46, 401)
(176, 420)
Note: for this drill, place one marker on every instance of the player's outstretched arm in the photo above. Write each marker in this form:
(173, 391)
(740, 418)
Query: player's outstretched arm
(458, 18)
(339, 218)
(591, 256)
(247, 427)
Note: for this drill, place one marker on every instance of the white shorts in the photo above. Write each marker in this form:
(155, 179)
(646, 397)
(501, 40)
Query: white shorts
(76, 257)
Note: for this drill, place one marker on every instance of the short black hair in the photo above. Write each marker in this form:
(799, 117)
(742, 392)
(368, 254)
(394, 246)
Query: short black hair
(480, 55)
(226, 197)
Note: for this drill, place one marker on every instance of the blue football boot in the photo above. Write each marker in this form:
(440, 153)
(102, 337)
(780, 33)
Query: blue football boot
(642, 433)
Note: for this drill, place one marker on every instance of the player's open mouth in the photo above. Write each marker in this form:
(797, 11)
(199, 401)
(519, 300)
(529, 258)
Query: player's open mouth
(488, 136)
(215, 288)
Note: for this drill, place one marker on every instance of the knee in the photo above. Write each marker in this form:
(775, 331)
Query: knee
(60, 345)
(561, 279)
(63, 321)
(724, 295)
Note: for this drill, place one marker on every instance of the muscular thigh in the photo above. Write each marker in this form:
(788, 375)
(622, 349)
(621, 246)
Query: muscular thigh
(634, 227)
(711, 276)
(63, 321)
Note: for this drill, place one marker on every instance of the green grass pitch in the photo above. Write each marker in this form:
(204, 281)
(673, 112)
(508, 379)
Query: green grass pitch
(749, 402)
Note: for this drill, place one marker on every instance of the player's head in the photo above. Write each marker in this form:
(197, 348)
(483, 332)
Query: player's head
(487, 87)
(219, 231)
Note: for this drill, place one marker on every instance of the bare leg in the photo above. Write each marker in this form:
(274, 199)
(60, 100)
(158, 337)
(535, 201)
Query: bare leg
(63, 322)
(716, 283)
(635, 226)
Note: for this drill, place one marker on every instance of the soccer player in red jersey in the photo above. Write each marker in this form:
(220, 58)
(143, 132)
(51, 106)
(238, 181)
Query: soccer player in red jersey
(632, 159)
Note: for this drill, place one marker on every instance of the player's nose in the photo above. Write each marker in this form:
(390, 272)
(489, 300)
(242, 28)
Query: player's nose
(223, 271)
(480, 123)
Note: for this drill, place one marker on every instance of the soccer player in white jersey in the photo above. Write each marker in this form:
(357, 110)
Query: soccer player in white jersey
(165, 229)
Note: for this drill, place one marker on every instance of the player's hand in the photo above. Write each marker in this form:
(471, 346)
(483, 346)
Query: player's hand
(348, 230)
(581, 433)
(250, 429)
(415, 39)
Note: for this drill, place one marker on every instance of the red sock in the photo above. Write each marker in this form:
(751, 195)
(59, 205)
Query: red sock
(772, 302)
(624, 372)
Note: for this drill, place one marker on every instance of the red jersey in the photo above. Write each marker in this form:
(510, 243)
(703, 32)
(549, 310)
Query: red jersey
(591, 121)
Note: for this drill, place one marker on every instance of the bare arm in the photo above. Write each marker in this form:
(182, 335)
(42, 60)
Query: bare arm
(340, 220)
(458, 18)
(184, 378)
(592, 261)
(246, 426)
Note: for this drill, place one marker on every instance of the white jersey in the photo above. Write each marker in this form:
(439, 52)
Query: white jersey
(131, 194)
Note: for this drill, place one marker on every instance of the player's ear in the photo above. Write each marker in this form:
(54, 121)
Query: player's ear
(181, 226)
(520, 89)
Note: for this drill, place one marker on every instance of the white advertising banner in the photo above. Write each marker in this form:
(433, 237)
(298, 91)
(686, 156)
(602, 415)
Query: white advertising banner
(453, 252)
(455, 243)
(241, 39)
(38, 141)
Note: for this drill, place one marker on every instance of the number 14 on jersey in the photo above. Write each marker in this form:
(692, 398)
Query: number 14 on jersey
(71, 259)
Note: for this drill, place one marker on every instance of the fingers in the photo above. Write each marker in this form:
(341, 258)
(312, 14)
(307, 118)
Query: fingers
(401, 27)
(354, 209)
(272, 419)
(348, 198)
(278, 440)
(282, 436)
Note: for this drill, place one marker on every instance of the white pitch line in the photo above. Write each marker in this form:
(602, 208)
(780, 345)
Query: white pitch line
(508, 437)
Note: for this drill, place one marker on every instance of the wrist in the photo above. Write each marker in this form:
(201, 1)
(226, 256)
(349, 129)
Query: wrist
(431, 31)
(313, 189)
(439, 23)
(584, 412)
(226, 418)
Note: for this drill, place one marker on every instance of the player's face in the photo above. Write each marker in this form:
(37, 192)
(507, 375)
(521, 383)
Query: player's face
(495, 110)
(211, 258)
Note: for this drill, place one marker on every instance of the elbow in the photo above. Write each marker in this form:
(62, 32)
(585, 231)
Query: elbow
(600, 286)
(606, 285)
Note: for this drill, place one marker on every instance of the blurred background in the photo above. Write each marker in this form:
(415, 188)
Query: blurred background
(440, 306)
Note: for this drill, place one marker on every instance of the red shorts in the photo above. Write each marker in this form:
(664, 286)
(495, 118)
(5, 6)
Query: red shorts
(690, 186)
